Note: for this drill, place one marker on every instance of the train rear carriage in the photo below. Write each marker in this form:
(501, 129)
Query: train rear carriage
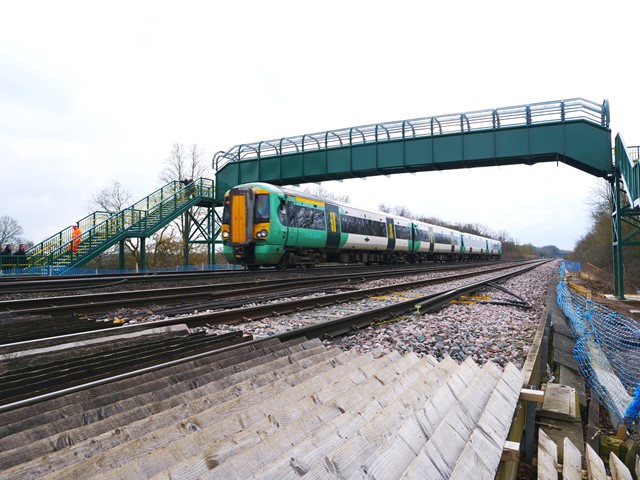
(495, 249)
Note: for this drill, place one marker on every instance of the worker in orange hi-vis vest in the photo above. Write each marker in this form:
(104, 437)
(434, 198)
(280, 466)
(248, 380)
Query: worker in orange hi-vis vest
(75, 239)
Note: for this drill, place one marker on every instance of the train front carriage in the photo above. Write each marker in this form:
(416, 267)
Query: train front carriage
(268, 225)
(250, 236)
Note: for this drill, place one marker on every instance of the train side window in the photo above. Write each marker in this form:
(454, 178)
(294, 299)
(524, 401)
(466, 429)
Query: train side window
(282, 212)
(402, 232)
(363, 226)
(291, 214)
(310, 218)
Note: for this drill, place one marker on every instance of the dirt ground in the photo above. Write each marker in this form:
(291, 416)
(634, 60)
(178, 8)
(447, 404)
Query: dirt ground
(629, 307)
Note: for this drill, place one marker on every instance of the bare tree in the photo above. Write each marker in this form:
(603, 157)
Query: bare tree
(10, 230)
(397, 210)
(113, 199)
(320, 191)
(185, 164)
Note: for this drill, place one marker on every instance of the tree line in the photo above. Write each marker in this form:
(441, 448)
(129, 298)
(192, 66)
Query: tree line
(594, 250)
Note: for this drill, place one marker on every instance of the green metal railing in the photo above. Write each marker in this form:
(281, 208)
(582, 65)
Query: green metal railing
(101, 230)
(628, 162)
(520, 115)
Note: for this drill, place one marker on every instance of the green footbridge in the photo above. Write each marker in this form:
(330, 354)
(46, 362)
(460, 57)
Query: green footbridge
(574, 131)
(102, 230)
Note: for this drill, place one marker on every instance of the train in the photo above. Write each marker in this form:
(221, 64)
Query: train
(270, 225)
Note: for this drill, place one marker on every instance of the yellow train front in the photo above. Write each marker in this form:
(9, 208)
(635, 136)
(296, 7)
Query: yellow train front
(267, 225)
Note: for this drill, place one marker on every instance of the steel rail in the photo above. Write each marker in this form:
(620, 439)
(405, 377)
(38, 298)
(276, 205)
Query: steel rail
(238, 315)
(420, 305)
(261, 311)
(325, 329)
(101, 301)
(29, 284)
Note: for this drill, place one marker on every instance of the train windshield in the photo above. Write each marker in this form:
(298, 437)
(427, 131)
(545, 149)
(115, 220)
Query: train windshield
(226, 212)
(261, 208)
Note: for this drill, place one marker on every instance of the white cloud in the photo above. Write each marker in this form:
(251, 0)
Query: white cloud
(94, 92)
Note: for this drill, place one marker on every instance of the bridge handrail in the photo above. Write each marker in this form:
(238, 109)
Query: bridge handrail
(628, 163)
(519, 115)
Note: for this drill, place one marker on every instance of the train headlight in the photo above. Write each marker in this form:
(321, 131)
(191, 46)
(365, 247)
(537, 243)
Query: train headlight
(262, 234)
(225, 235)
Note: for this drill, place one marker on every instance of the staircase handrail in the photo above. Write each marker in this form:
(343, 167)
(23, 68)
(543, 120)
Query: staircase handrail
(628, 164)
(100, 228)
(64, 237)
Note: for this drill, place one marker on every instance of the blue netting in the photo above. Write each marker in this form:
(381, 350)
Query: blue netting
(572, 266)
(608, 352)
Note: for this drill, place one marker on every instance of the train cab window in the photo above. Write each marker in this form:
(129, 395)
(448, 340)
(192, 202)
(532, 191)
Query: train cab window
(261, 208)
(226, 211)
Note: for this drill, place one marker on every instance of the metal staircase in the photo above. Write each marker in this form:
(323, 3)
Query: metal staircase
(101, 230)
(628, 163)
(625, 218)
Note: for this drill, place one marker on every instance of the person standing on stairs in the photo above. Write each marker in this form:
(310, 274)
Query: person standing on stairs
(76, 233)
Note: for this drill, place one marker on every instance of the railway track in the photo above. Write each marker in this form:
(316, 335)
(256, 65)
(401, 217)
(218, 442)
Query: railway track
(177, 398)
(17, 284)
(95, 358)
(228, 298)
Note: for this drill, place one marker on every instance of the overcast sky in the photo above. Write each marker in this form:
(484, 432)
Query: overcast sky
(93, 92)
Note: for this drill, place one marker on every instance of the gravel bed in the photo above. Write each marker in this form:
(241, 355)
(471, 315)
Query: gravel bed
(483, 331)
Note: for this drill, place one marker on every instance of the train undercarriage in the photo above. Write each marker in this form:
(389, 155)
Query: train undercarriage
(308, 258)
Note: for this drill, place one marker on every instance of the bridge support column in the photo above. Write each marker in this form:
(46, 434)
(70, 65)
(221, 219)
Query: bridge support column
(216, 229)
(618, 265)
(186, 234)
(200, 229)
(143, 253)
(626, 232)
(121, 255)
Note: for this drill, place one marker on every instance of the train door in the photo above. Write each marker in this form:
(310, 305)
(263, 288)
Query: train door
(241, 216)
(414, 239)
(333, 231)
(431, 240)
(391, 235)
